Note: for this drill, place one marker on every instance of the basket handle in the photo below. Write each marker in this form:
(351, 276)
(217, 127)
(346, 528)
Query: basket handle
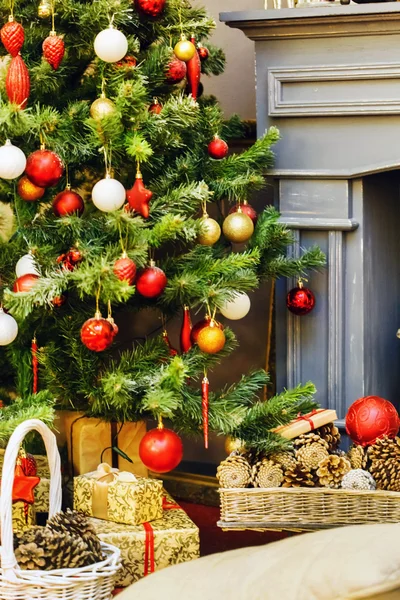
(8, 560)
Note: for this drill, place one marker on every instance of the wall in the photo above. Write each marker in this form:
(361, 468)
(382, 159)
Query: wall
(236, 87)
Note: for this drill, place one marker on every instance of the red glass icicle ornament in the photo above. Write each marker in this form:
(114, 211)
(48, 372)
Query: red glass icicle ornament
(53, 50)
(172, 351)
(35, 365)
(194, 72)
(205, 385)
(12, 35)
(186, 330)
(18, 82)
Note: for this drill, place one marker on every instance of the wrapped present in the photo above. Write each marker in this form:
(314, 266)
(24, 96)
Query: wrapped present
(23, 515)
(118, 496)
(42, 496)
(89, 442)
(41, 464)
(152, 546)
(306, 423)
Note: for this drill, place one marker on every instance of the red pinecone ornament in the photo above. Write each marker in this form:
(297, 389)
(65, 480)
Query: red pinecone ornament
(125, 269)
(97, 334)
(12, 35)
(150, 8)
(176, 71)
(27, 463)
(18, 83)
(53, 50)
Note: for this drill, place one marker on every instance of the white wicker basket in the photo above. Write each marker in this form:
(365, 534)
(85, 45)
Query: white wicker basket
(94, 582)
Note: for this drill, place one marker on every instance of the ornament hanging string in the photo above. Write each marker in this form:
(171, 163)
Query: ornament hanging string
(205, 384)
(52, 16)
(12, 4)
(35, 365)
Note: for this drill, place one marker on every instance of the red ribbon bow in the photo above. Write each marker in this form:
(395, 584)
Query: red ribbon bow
(307, 417)
(149, 565)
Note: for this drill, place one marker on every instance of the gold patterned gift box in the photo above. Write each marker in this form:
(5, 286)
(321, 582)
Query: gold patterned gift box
(42, 496)
(118, 496)
(23, 515)
(152, 546)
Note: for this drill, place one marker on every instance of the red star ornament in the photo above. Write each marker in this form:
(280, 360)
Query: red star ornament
(139, 197)
(23, 486)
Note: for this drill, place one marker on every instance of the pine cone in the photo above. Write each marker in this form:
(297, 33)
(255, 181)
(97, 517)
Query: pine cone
(44, 549)
(298, 476)
(385, 448)
(234, 472)
(330, 433)
(266, 474)
(386, 473)
(75, 523)
(356, 456)
(332, 469)
(357, 479)
(286, 460)
(306, 439)
(311, 455)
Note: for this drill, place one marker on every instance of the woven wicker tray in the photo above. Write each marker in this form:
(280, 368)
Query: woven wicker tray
(303, 509)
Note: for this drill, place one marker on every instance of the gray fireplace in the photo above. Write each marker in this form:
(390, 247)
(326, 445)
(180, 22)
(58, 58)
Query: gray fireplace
(329, 79)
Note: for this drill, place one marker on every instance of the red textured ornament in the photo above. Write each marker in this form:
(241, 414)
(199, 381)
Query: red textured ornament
(176, 70)
(186, 342)
(25, 283)
(300, 301)
(29, 191)
(68, 203)
(203, 52)
(70, 259)
(18, 83)
(247, 210)
(128, 61)
(12, 35)
(23, 486)
(194, 72)
(371, 418)
(44, 168)
(97, 334)
(139, 197)
(150, 8)
(155, 107)
(217, 148)
(199, 326)
(59, 301)
(27, 462)
(161, 450)
(151, 281)
(125, 269)
(53, 50)
(172, 351)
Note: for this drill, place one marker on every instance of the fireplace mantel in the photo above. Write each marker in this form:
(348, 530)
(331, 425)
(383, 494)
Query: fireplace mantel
(329, 78)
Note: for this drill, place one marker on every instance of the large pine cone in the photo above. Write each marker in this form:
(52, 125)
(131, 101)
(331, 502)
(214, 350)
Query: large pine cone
(332, 469)
(298, 476)
(44, 549)
(356, 456)
(385, 448)
(357, 479)
(311, 455)
(266, 474)
(76, 523)
(234, 472)
(330, 433)
(306, 439)
(286, 460)
(386, 473)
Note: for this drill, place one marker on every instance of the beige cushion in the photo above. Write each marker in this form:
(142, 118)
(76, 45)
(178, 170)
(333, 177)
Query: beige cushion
(337, 564)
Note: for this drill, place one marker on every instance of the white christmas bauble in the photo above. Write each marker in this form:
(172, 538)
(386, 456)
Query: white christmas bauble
(8, 328)
(237, 308)
(111, 45)
(26, 266)
(12, 161)
(108, 194)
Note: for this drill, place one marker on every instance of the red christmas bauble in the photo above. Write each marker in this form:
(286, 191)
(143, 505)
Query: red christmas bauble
(151, 282)
(113, 325)
(125, 269)
(247, 210)
(12, 35)
(25, 283)
(155, 107)
(18, 83)
(53, 50)
(97, 333)
(28, 463)
(371, 418)
(128, 61)
(29, 191)
(44, 168)
(68, 203)
(150, 8)
(217, 148)
(59, 301)
(300, 301)
(204, 53)
(194, 334)
(176, 71)
(161, 450)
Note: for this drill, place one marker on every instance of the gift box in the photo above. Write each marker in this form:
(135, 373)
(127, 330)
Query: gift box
(152, 546)
(23, 516)
(42, 496)
(41, 464)
(118, 496)
(89, 442)
(306, 423)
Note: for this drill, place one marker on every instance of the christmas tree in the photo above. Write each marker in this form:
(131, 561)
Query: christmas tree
(103, 97)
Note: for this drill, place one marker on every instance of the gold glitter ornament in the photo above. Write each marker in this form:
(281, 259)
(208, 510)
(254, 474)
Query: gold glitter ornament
(210, 231)
(211, 339)
(238, 227)
(233, 445)
(102, 107)
(184, 49)
(44, 9)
